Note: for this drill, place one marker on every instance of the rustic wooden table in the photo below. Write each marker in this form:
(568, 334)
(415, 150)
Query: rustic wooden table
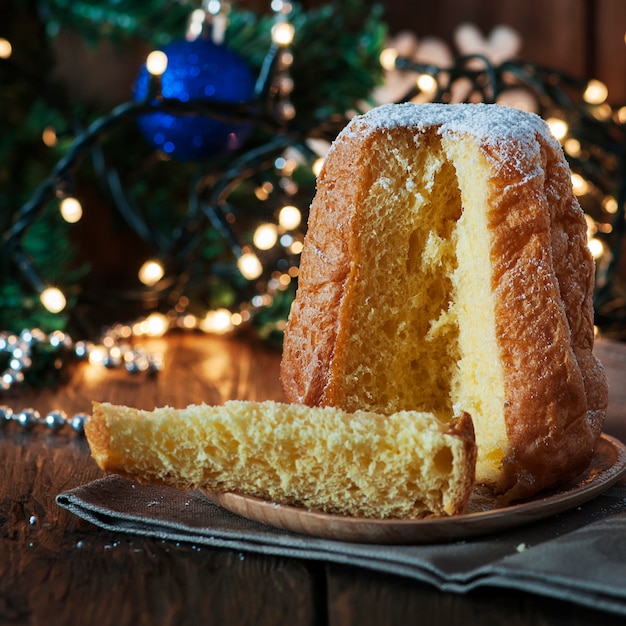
(56, 569)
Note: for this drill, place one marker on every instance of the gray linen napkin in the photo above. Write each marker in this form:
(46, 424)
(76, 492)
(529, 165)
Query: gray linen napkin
(578, 556)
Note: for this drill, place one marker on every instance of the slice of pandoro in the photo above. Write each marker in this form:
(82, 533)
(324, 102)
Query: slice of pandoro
(405, 465)
(446, 269)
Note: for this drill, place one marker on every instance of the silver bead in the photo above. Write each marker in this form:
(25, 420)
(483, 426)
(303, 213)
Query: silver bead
(55, 420)
(58, 339)
(78, 422)
(28, 418)
(6, 415)
(81, 349)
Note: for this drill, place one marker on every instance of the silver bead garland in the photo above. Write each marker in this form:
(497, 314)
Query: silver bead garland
(55, 420)
(111, 353)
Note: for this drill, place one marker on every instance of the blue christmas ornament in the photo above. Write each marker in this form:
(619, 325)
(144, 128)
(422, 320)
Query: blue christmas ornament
(198, 69)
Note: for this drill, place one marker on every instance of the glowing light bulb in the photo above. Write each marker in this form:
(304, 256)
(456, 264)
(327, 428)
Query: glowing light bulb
(156, 62)
(427, 84)
(558, 127)
(97, 355)
(289, 217)
(49, 137)
(572, 147)
(596, 247)
(6, 49)
(579, 185)
(249, 266)
(151, 272)
(610, 204)
(218, 322)
(53, 299)
(283, 33)
(596, 92)
(317, 165)
(280, 6)
(155, 325)
(388, 58)
(71, 209)
(265, 236)
(296, 247)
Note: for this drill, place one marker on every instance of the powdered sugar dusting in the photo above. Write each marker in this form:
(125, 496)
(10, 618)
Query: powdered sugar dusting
(510, 136)
(483, 121)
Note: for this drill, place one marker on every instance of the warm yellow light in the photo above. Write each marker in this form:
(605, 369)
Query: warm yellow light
(6, 50)
(621, 115)
(610, 204)
(602, 111)
(97, 355)
(53, 299)
(155, 325)
(388, 58)
(596, 92)
(572, 147)
(151, 272)
(596, 247)
(579, 184)
(156, 62)
(283, 33)
(249, 266)
(71, 210)
(558, 127)
(289, 217)
(427, 84)
(265, 236)
(317, 165)
(188, 321)
(296, 247)
(49, 137)
(218, 321)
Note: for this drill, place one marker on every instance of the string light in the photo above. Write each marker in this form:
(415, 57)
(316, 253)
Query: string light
(6, 50)
(596, 247)
(572, 147)
(49, 137)
(289, 217)
(265, 236)
(156, 62)
(427, 84)
(317, 165)
(155, 325)
(249, 265)
(283, 33)
(151, 272)
(596, 92)
(579, 185)
(71, 209)
(558, 127)
(609, 204)
(53, 299)
(195, 26)
(388, 59)
(218, 322)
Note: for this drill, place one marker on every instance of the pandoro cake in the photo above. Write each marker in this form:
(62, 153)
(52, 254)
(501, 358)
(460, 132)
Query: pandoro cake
(446, 269)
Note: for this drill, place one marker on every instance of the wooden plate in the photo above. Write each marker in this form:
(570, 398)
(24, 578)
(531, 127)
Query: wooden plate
(482, 516)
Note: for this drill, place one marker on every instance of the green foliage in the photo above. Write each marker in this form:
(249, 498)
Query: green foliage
(335, 68)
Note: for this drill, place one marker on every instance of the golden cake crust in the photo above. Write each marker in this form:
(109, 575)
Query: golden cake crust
(542, 280)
